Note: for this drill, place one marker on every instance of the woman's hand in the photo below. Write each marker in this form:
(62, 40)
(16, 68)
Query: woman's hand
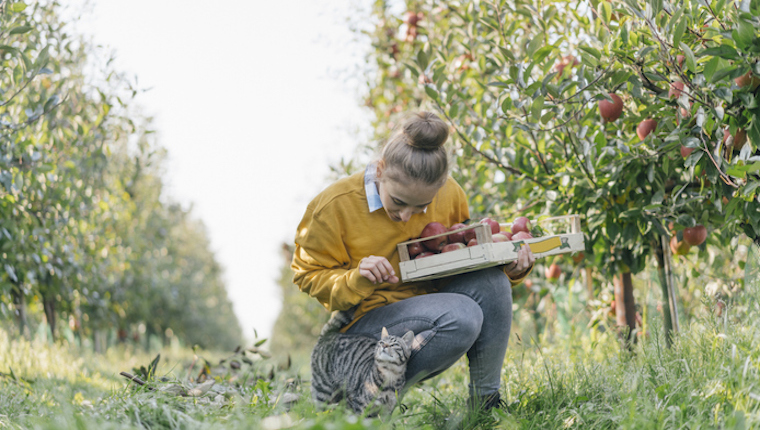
(525, 260)
(377, 270)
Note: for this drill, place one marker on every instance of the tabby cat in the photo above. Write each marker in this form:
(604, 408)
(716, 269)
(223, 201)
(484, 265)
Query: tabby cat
(365, 371)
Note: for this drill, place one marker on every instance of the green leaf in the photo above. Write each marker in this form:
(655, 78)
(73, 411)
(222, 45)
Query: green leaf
(534, 44)
(680, 29)
(536, 108)
(422, 59)
(743, 34)
(431, 92)
(691, 62)
(18, 7)
(710, 67)
(592, 51)
(722, 51)
(542, 53)
(722, 73)
(693, 159)
(20, 29)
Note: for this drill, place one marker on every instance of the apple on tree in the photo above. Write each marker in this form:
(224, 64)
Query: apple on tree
(611, 111)
(567, 60)
(553, 271)
(739, 139)
(676, 88)
(679, 247)
(685, 152)
(645, 127)
(695, 236)
(747, 80)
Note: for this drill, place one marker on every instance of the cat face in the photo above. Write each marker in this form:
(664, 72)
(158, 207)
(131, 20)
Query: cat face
(394, 349)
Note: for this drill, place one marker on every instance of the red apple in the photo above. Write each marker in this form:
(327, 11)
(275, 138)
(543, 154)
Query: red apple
(415, 249)
(501, 237)
(645, 127)
(567, 60)
(495, 227)
(432, 229)
(472, 242)
(679, 247)
(611, 111)
(521, 223)
(459, 236)
(747, 79)
(522, 235)
(694, 236)
(740, 138)
(453, 247)
(676, 88)
(685, 152)
(412, 18)
(553, 271)
(424, 254)
(578, 257)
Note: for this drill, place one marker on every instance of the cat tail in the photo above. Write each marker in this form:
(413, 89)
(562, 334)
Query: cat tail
(338, 320)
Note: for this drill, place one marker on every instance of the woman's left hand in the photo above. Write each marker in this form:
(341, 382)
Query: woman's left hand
(525, 260)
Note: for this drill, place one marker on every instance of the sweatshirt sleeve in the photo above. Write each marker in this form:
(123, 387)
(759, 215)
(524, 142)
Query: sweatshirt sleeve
(322, 267)
(520, 278)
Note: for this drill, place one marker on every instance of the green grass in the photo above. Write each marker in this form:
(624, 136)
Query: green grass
(710, 378)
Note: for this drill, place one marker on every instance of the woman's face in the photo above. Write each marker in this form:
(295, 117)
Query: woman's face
(401, 200)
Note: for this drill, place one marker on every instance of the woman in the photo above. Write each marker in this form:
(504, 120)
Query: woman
(345, 256)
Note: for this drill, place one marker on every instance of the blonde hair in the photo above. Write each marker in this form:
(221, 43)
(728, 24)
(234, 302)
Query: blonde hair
(416, 150)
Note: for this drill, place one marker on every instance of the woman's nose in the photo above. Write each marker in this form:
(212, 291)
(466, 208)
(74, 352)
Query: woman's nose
(406, 214)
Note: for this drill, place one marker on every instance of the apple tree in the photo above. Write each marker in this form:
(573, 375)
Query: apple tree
(641, 116)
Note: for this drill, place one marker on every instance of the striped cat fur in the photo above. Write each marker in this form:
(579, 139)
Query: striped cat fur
(366, 372)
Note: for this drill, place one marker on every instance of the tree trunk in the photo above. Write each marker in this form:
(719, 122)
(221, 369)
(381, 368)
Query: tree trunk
(50, 313)
(19, 302)
(625, 307)
(662, 253)
(589, 285)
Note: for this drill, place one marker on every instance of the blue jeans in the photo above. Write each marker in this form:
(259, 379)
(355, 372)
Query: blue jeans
(471, 314)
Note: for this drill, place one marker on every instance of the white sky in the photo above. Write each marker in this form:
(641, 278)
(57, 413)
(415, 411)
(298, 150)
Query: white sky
(252, 101)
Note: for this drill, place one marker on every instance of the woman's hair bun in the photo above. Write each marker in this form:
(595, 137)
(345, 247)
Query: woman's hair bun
(425, 130)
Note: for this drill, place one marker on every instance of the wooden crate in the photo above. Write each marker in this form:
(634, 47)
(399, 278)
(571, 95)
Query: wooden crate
(487, 253)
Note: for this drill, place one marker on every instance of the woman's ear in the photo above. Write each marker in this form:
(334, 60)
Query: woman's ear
(380, 168)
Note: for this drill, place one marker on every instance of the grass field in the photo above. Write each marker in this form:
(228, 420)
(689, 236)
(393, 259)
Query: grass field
(710, 378)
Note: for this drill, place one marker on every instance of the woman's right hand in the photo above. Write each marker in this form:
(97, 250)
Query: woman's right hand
(377, 270)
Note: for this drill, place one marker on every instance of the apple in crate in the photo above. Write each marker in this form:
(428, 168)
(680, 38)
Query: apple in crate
(472, 242)
(453, 247)
(502, 237)
(522, 235)
(432, 229)
(424, 254)
(459, 236)
(495, 227)
(415, 249)
(521, 223)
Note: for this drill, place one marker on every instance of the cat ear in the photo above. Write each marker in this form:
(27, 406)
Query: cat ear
(384, 333)
(408, 338)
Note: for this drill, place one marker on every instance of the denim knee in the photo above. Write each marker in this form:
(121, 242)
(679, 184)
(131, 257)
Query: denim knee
(495, 292)
(465, 317)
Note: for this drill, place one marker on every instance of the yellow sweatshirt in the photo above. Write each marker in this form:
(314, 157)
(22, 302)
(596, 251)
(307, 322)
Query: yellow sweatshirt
(338, 230)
